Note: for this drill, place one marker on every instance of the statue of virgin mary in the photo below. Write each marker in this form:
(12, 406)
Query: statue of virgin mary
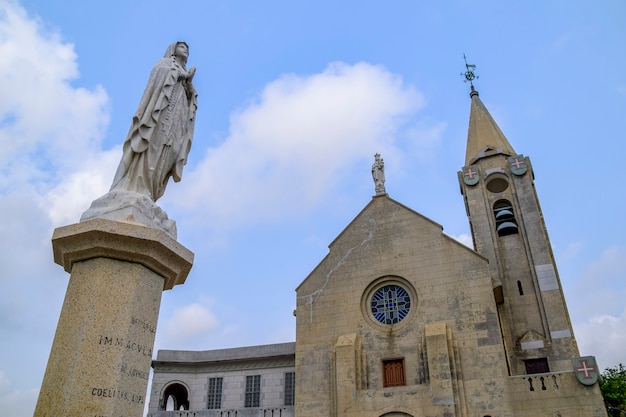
(156, 147)
(161, 132)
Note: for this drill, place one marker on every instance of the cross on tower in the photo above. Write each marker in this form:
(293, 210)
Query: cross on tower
(585, 369)
(517, 163)
(470, 173)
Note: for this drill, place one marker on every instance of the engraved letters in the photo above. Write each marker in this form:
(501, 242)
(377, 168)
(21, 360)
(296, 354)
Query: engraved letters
(130, 345)
(117, 394)
(140, 349)
(143, 324)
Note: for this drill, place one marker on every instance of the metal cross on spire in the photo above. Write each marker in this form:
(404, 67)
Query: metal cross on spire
(469, 74)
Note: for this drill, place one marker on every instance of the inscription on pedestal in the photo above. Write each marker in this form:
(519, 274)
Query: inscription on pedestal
(117, 394)
(142, 324)
(133, 372)
(119, 342)
(140, 348)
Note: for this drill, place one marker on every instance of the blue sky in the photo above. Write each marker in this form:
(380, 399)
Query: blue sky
(294, 100)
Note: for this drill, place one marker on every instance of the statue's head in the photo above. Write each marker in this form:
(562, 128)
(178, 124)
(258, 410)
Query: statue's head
(180, 49)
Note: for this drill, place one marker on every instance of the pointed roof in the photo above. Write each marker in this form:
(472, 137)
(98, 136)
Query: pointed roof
(484, 137)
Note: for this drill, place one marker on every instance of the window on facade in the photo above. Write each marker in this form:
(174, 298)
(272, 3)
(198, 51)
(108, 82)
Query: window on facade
(505, 219)
(537, 366)
(290, 388)
(519, 287)
(393, 373)
(390, 304)
(215, 393)
(253, 391)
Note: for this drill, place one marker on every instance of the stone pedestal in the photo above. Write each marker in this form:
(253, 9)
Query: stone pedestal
(102, 350)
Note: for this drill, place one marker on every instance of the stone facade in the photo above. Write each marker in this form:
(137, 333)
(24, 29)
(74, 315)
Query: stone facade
(401, 320)
(452, 315)
(449, 344)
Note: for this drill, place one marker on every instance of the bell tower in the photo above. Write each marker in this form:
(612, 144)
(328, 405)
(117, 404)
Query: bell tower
(508, 228)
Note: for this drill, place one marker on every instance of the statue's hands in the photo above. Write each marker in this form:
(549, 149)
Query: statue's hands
(191, 73)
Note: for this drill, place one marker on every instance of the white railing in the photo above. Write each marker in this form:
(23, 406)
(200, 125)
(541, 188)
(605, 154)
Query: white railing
(242, 412)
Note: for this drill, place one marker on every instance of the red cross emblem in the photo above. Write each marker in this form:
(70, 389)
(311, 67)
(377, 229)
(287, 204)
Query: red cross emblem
(586, 370)
(518, 164)
(470, 175)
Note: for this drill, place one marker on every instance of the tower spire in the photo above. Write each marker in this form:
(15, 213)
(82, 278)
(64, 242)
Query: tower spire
(484, 137)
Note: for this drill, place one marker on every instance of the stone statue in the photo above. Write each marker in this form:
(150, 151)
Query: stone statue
(378, 174)
(161, 132)
(156, 147)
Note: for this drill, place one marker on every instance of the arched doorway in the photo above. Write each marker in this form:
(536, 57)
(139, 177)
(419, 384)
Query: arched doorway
(175, 397)
(396, 414)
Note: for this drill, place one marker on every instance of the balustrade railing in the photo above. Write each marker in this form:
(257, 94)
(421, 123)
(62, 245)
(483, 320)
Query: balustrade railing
(243, 412)
(550, 381)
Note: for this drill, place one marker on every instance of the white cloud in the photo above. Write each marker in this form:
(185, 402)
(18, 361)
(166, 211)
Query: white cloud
(598, 316)
(465, 239)
(46, 124)
(572, 251)
(190, 322)
(298, 138)
(209, 322)
(50, 130)
(601, 287)
(423, 139)
(14, 401)
(604, 337)
(70, 198)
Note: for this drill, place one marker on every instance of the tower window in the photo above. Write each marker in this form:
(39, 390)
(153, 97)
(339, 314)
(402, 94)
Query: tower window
(505, 219)
(496, 183)
(393, 373)
(519, 287)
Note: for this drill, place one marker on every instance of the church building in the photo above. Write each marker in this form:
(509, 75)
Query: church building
(400, 320)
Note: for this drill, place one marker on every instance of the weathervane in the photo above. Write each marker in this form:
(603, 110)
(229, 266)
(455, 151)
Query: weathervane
(469, 74)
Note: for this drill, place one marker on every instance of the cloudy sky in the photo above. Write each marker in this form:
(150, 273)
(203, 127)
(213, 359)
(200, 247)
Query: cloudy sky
(295, 98)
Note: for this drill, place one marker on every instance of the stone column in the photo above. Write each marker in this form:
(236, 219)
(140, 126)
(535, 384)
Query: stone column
(102, 350)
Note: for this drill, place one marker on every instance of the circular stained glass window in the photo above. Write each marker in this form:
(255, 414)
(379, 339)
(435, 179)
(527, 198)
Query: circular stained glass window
(390, 304)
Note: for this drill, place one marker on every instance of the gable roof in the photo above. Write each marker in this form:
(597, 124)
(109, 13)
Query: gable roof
(384, 200)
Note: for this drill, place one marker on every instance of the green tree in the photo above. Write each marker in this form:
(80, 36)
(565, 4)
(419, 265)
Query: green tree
(613, 387)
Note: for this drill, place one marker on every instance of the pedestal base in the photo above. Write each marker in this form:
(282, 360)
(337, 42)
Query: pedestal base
(100, 358)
